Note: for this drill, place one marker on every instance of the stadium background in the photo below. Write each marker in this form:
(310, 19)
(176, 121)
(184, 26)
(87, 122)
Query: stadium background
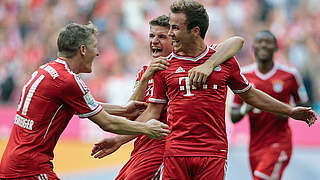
(28, 33)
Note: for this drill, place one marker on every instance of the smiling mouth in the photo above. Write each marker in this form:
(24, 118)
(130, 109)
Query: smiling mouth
(156, 50)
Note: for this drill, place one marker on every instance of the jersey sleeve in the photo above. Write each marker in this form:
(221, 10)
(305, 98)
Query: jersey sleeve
(77, 96)
(214, 46)
(299, 92)
(237, 81)
(158, 92)
(139, 76)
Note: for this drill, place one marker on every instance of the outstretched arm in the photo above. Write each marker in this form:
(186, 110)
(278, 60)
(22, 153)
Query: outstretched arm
(227, 49)
(265, 102)
(119, 125)
(131, 111)
(110, 145)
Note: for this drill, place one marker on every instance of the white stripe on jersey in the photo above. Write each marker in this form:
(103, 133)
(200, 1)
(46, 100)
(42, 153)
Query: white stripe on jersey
(158, 174)
(242, 90)
(190, 58)
(154, 100)
(261, 175)
(24, 89)
(30, 94)
(79, 83)
(52, 120)
(91, 113)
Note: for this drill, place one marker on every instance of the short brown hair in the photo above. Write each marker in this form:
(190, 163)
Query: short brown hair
(160, 21)
(72, 36)
(195, 12)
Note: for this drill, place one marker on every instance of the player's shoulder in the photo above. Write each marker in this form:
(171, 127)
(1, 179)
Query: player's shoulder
(142, 70)
(287, 69)
(247, 69)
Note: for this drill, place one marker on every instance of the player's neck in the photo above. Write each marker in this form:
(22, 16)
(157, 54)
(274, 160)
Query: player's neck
(265, 67)
(194, 49)
(72, 64)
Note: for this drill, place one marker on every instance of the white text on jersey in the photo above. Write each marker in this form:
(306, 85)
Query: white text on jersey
(23, 122)
(51, 71)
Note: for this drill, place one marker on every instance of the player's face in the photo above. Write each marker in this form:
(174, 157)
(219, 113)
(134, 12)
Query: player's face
(91, 53)
(159, 41)
(264, 46)
(178, 31)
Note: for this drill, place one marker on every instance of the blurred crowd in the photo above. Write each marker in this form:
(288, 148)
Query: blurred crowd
(29, 30)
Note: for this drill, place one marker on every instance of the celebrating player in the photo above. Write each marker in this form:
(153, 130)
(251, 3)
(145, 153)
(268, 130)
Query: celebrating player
(49, 99)
(147, 154)
(270, 144)
(197, 146)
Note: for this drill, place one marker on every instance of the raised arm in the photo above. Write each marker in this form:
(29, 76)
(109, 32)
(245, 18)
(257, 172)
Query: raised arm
(267, 103)
(110, 145)
(225, 50)
(157, 64)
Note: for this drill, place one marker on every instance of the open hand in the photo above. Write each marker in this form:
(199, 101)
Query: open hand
(157, 129)
(305, 114)
(158, 64)
(198, 75)
(105, 147)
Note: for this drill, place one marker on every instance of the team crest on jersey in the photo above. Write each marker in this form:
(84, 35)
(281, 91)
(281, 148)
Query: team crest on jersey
(277, 86)
(90, 101)
(218, 68)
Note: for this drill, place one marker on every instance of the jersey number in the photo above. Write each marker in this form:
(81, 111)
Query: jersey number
(29, 93)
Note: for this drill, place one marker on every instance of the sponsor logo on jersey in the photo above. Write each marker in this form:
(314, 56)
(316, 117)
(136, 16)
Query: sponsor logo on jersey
(277, 86)
(91, 102)
(180, 70)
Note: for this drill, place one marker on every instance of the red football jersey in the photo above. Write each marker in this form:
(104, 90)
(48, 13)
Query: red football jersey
(49, 99)
(142, 142)
(282, 83)
(196, 116)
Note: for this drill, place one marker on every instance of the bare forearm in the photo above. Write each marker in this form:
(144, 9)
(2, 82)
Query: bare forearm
(138, 94)
(265, 102)
(118, 125)
(114, 109)
(152, 112)
(226, 50)
(123, 139)
(142, 118)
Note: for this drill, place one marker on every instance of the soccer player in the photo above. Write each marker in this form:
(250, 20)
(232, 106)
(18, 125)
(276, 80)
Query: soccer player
(197, 146)
(49, 99)
(270, 143)
(147, 154)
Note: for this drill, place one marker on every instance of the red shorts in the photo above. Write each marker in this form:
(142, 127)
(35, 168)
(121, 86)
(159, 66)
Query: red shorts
(270, 163)
(141, 166)
(44, 176)
(194, 167)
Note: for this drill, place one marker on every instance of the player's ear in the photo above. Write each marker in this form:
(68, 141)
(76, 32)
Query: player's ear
(82, 50)
(195, 30)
